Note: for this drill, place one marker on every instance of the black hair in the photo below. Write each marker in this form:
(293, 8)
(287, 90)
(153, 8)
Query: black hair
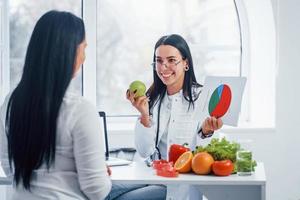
(33, 107)
(158, 89)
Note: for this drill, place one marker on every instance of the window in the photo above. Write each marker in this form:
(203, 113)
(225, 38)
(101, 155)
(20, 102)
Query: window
(1, 45)
(23, 16)
(4, 81)
(234, 38)
(127, 32)
(257, 19)
(230, 37)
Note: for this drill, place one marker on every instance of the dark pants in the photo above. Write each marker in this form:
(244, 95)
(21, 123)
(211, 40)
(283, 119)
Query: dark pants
(137, 192)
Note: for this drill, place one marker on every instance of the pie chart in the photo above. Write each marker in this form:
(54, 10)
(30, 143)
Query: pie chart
(219, 101)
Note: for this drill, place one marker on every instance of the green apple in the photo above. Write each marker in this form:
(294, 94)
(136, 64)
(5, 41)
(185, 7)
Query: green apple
(139, 87)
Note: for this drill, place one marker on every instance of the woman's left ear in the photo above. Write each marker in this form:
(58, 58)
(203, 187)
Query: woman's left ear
(186, 68)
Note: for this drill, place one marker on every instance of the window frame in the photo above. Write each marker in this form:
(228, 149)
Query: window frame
(4, 50)
(89, 11)
(243, 12)
(90, 18)
(89, 69)
(5, 79)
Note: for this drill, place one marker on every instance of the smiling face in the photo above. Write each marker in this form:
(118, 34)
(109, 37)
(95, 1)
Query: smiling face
(170, 67)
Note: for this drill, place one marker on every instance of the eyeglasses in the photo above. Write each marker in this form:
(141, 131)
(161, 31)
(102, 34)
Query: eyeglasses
(171, 63)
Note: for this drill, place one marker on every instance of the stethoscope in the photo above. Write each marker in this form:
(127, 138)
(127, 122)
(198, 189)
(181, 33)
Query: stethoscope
(157, 131)
(156, 154)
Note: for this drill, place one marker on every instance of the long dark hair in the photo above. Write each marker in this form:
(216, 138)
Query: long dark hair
(158, 89)
(34, 105)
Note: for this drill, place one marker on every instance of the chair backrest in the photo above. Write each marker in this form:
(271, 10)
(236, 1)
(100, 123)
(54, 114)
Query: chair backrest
(103, 116)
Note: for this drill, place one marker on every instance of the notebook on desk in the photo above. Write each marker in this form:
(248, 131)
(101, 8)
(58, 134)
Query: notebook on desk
(110, 161)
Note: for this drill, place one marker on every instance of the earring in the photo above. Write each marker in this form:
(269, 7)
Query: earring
(186, 68)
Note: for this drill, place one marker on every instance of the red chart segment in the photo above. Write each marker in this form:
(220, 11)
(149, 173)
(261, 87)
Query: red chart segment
(219, 101)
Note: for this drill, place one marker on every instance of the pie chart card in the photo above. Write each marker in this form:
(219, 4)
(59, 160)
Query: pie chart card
(222, 97)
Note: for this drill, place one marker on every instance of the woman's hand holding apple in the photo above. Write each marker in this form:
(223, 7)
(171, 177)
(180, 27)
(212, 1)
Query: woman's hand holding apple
(142, 105)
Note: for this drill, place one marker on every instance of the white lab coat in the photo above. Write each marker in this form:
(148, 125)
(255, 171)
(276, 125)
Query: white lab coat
(183, 125)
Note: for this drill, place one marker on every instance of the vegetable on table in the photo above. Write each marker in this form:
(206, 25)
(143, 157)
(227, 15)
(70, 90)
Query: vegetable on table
(222, 149)
(176, 150)
(164, 168)
(159, 164)
(222, 167)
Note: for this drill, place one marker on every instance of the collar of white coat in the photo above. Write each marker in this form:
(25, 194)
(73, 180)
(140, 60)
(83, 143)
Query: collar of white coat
(195, 93)
(178, 94)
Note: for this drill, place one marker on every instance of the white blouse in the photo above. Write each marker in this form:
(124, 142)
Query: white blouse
(178, 124)
(79, 170)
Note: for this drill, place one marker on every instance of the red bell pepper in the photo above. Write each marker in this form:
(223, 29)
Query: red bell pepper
(176, 150)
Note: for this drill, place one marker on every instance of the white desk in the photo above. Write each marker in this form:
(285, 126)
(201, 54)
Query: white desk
(232, 187)
(213, 187)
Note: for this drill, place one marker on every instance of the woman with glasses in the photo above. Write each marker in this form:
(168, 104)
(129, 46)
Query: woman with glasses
(49, 137)
(168, 111)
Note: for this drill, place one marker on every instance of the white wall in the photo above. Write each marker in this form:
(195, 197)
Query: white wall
(278, 150)
(288, 99)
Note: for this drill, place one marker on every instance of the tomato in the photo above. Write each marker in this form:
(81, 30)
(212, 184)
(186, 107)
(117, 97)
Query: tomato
(175, 151)
(223, 167)
(167, 172)
(159, 164)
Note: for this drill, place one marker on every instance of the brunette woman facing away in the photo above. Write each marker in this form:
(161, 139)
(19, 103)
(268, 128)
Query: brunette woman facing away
(51, 142)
